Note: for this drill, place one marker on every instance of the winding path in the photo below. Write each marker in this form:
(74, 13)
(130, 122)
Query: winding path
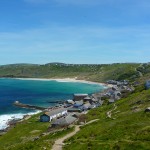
(59, 143)
(109, 113)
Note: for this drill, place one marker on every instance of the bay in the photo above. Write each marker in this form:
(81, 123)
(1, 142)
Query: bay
(36, 92)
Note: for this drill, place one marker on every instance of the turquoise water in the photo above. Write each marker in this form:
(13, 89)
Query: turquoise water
(37, 92)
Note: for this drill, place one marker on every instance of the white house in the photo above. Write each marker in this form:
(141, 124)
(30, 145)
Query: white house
(48, 116)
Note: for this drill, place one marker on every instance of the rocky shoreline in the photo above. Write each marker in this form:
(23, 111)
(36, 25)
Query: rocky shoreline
(12, 124)
(18, 104)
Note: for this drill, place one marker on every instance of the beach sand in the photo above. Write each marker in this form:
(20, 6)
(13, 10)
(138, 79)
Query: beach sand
(67, 80)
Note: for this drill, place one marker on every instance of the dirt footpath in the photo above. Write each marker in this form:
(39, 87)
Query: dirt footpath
(60, 142)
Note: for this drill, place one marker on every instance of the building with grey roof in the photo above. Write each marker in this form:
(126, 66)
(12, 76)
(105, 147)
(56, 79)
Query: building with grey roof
(147, 84)
(86, 106)
(78, 104)
(64, 121)
(78, 97)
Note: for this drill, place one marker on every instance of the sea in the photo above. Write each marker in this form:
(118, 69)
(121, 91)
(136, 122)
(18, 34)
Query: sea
(36, 92)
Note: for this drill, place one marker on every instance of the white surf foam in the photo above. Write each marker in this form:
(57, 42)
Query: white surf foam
(4, 119)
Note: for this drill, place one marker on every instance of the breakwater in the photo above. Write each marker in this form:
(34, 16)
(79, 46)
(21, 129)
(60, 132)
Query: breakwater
(18, 104)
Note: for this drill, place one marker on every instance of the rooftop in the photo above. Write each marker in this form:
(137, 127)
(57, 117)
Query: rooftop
(55, 111)
(80, 94)
(87, 97)
(65, 120)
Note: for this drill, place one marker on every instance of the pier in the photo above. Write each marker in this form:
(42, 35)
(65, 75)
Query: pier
(18, 104)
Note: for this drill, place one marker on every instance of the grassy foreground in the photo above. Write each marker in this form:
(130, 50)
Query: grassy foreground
(128, 129)
(23, 136)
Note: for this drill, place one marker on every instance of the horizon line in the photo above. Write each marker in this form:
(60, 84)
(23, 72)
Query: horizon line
(63, 63)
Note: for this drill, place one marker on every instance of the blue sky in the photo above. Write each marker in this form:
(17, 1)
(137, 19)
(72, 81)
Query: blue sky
(74, 31)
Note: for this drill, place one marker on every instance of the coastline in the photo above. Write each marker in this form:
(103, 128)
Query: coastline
(22, 116)
(6, 119)
(66, 80)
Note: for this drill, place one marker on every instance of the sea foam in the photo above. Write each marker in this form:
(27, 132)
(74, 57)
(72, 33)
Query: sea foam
(4, 119)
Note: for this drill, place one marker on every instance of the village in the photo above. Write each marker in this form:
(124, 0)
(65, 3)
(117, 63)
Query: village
(69, 112)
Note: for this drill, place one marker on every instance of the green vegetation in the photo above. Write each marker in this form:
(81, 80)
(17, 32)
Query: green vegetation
(99, 73)
(129, 127)
(27, 135)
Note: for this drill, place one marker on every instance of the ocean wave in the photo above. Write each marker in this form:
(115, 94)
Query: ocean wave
(4, 119)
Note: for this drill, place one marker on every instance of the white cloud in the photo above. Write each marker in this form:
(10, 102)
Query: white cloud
(64, 39)
(76, 43)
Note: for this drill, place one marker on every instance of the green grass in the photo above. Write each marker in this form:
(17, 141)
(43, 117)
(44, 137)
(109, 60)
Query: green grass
(22, 136)
(130, 130)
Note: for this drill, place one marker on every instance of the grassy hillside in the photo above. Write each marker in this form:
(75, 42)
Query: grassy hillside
(28, 136)
(99, 73)
(128, 129)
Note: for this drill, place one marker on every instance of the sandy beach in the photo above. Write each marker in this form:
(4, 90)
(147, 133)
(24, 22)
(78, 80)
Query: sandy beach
(66, 80)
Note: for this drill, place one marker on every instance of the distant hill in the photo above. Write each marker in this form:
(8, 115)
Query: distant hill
(91, 72)
(18, 64)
